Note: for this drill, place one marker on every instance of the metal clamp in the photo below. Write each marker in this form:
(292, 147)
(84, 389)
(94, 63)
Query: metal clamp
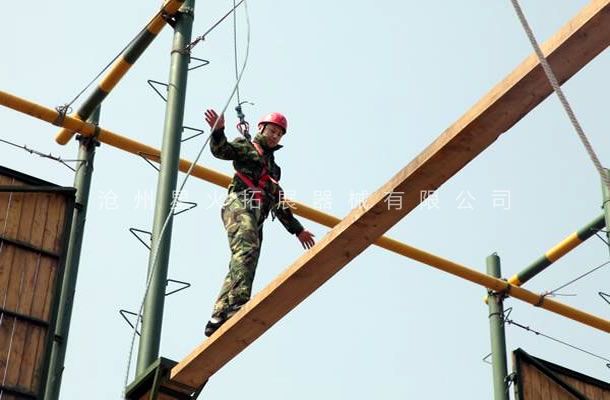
(61, 114)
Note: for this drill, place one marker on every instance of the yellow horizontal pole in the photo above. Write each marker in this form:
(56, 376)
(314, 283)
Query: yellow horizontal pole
(135, 147)
(44, 113)
(500, 285)
(199, 171)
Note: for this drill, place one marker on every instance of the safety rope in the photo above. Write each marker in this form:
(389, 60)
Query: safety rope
(155, 249)
(562, 98)
(242, 126)
(235, 51)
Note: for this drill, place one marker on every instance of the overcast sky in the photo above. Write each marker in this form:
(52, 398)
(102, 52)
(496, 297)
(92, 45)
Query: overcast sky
(365, 86)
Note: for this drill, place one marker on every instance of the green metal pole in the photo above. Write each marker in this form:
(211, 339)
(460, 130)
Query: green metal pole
(606, 207)
(82, 183)
(496, 327)
(552, 255)
(152, 316)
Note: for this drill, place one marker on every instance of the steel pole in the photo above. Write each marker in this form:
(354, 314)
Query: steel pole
(152, 316)
(82, 183)
(496, 329)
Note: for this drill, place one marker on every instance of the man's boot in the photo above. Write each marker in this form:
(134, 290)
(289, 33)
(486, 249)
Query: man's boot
(216, 322)
(213, 324)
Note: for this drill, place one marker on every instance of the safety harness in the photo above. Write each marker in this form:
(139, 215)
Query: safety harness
(258, 190)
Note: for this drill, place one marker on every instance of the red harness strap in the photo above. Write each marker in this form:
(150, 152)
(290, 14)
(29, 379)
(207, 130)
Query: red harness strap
(259, 189)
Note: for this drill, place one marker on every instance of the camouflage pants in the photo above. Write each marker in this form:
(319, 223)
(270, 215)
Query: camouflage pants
(244, 230)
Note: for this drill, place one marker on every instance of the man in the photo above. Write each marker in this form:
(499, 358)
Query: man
(253, 194)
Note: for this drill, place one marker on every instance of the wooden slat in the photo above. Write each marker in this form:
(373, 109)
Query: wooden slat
(32, 357)
(4, 201)
(30, 275)
(41, 336)
(51, 267)
(52, 229)
(16, 279)
(547, 387)
(42, 293)
(6, 328)
(42, 307)
(594, 392)
(584, 37)
(13, 215)
(40, 219)
(61, 224)
(41, 310)
(28, 209)
(16, 352)
(6, 268)
(11, 229)
(529, 390)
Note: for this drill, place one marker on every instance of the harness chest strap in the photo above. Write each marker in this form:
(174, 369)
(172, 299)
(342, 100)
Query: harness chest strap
(259, 189)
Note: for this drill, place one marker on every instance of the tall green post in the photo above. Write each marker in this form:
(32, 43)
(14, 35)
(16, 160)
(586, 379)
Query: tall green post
(496, 327)
(82, 183)
(152, 315)
(606, 206)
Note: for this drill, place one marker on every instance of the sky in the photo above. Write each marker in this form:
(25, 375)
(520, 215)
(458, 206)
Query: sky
(366, 87)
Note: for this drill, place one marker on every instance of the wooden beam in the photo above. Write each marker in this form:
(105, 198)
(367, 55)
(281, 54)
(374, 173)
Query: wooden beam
(583, 38)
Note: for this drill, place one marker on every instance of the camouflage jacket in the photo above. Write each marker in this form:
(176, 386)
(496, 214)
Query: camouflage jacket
(247, 161)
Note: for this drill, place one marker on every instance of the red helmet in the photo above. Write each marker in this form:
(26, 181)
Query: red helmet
(276, 119)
